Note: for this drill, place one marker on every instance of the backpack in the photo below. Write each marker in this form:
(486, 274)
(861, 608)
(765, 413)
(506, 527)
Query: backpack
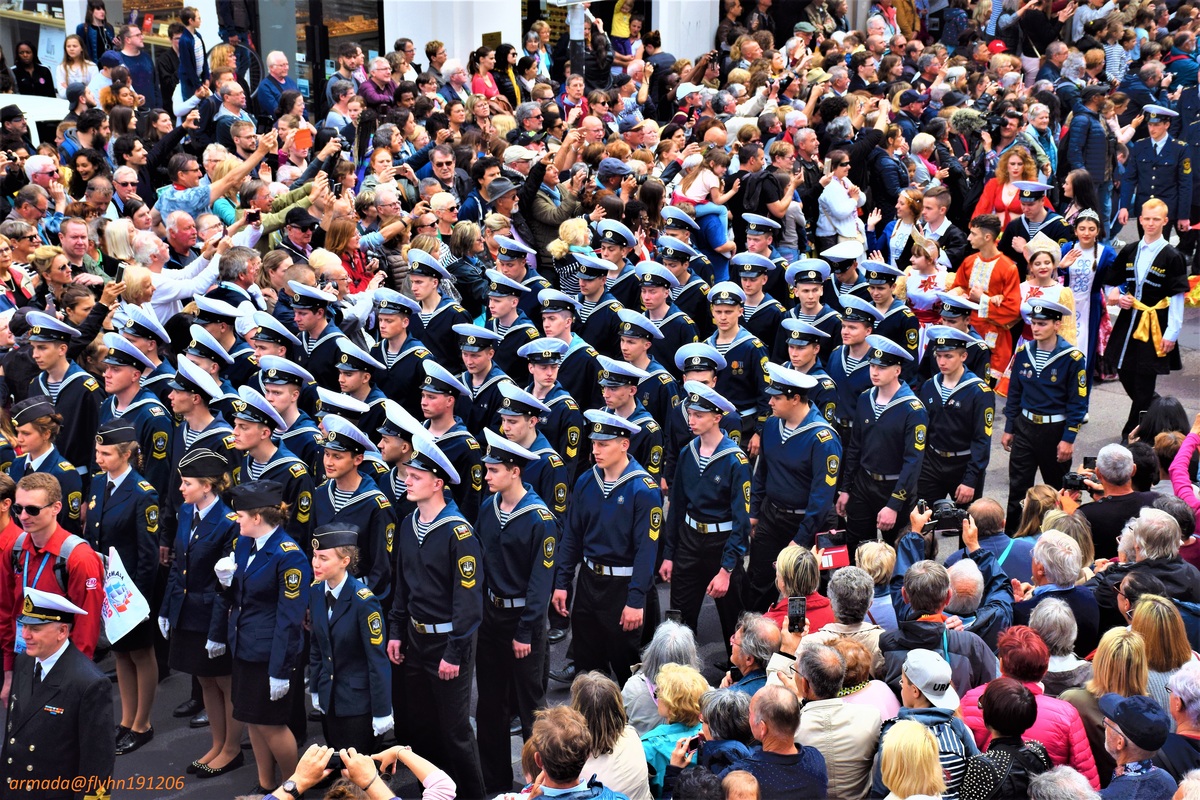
(60, 569)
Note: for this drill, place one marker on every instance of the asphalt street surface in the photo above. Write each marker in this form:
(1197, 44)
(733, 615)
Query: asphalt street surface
(175, 745)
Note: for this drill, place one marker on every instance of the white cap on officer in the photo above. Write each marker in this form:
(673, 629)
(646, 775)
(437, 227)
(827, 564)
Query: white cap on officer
(785, 380)
(253, 407)
(802, 333)
(500, 285)
(637, 326)
(943, 338)
(751, 265)
(389, 301)
(269, 329)
(213, 310)
(807, 270)
(614, 232)
(279, 371)
(205, 345)
(701, 397)
(42, 608)
(619, 373)
(518, 402)
(604, 425)
(143, 323)
(543, 351)
(886, 353)
(552, 300)
(428, 457)
(1041, 309)
(190, 378)
(726, 293)
(651, 273)
(338, 402)
(122, 353)
(502, 451)
(421, 263)
(593, 267)
(856, 309)
(343, 435)
(440, 380)
(670, 248)
(474, 338)
(44, 327)
(354, 358)
(697, 356)
(849, 250)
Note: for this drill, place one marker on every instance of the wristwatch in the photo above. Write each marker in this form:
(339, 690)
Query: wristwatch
(291, 788)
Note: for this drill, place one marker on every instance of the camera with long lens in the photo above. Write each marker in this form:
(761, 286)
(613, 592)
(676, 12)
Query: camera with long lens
(947, 516)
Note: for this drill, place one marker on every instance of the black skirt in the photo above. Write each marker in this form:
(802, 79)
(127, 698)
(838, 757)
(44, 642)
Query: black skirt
(188, 654)
(251, 690)
(139, 638)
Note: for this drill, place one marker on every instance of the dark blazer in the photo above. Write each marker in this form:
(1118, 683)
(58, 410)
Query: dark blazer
(64, 727)
(349, 644)
(1083, 607)
(127, 521)
(191, 593)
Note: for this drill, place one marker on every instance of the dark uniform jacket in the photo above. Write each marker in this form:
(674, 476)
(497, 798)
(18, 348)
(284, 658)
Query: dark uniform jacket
(348, 666)
(563, 427)
(548, 476)
(68, 478)
(297, 488)
(438, 333)
(764, 320)
(305, 441)
(127, 520)
(962, 423)
(891, 445)
(850, 381)
(835, 289)
(154, 425)
(156, 382)
(744, 380)
(518, 557)
(464, 452)
(404, 375)
(520, 333)
(1059, 388)
(600, 326)
(369, 511)
(677, 329)
(79, 398)
(658, 393)
(1166, 277)
(692, 299)
(720, 492)
(320, 356)
(827, 320)
(580, 373)
(901, 327)
(1166, 175)
(190, 599)
(979, 359)
(799, 473)
(1053, 226)
(481, 410)
(677, 433)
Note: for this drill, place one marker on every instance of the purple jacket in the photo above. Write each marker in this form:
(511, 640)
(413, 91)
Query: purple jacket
(378, 99)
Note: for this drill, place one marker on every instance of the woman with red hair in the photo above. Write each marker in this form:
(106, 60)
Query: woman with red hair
(1024, 657)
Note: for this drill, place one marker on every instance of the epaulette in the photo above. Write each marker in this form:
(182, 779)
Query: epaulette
(145, 486)
(1076, 355)
(66, 466)
(420, 352)
(615, 305)
(471, 443)
(382, 501)
(555, 460)
(459, 308)
(228, 441)
(650, 484)
(984, 387)
(231, 516)
(156, 411)
(462, 531)
(289, 547)
(545, 515)
(90, 384)
(824, 435)
(591, 351)
(571, 404)
(652, 426)
(365, 593)
(741, 458)
(665, 379)
(298, 470)
(916, 405)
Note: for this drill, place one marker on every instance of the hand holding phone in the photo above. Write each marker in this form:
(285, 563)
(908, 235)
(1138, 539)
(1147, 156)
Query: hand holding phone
(828, 166)
(797, 610)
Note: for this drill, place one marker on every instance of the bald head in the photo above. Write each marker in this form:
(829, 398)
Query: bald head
(593, 129)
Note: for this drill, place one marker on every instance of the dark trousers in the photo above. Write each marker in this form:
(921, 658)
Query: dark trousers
(941, 477)
(697, 561)
(599, 641)
(774, 531)
(438, 723)
(503, 679)
(1034, 447)
(867, 497)
(1138, 378)
(1189, 243)
(346, 732)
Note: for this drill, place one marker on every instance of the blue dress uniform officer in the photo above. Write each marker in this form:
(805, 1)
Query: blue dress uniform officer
(478, 408)
(597, 308)
(680, 227)
(60, 711)
(1032, 197)
(303, 437)
(217, 313)
(512, 260)
(1047, 401)
(314, 317)
(519, 538)
(399, 350)
(658, 392)
(848, 366)
(620, 382)
(795, 480)
(35, 412)
(578, 368)
(955, 312)
(847, 279)
(804, 343)
(614, 519)
(356, 377)
(676, 327)
(616, 242)
(139, 323)
(961, 408)
(696, 362)
(547, 474)
(348, 671)
(691, 295)
(204, 346)
(807, 277)
(76, 394)
(709, 527)
(434, 328)
(348, 498)
(516, 330)
(745, 375)
(435, 618)
(899, 323)
(563, 425)
(139, 407)
(452, 437)
(1159, 167)
(883, 455)
(267, 582)
(254, 420)
(761, 318)
(761, 233)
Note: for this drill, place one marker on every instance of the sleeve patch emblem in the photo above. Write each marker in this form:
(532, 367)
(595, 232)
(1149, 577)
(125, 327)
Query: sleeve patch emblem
(466, 568)
(389, 534)
(548, 548)
(74, 502)
(291, 584)
(910, 336)
(152, 519)
(375, 627)
(297, 470)
(656, 517)
(462, 532)
(304, 506)
(919, 437)
(159, 444)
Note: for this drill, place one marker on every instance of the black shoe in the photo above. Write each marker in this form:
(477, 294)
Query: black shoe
(187, 708)
(192, 767)
(200, 720)
(514, 728)
(121, 732)
(556, 635)
(315, 716)
(259, 789)
(133, 740)
(564, 675)
(205, 771)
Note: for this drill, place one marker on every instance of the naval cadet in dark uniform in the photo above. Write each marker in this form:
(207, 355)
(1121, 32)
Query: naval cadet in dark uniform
(478, 408)
(218, 318)
(1047, 401)
(270, 337)
(709, 527)
(76, 394)
(129, 402)
(883, 455)
(1159, 167)
(795, 480)
(691, 295)
(616, 243)
(435, 618)
(348, 498)
(847, 279)
(438, 314)
(699, 362)
(319, 352)
(578, 367)
(681, 227)
(349, 675)
(206, 352)
(804, 344)
(614, 519)
(807, 278)
(676, 327)
(281, 383)
(395, 446)
(356, 378)
(760, 241)
(658, 391)
(620, 383)
(563, 425)
(399, 350)
(955, 312)
(597, 309)
(512, 262)
(519, 538)
(848, 365)
(146, 333)
(506, 318)
(520, 414)
(745, 375)
(60, 711)
(37, 424)
(1034, 219)
(440, 392)
(762, 313)
(899, 323)
(961, 408)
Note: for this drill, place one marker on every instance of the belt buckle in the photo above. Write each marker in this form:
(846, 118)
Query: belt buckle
(597, 568)
(498, 602)
(702, 527)
(1038, 418)
(420, 627)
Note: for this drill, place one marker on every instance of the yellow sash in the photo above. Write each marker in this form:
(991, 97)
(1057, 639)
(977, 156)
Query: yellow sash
(1148, 329)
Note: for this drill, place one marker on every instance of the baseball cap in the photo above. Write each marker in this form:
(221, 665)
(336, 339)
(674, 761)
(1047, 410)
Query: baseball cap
(930, 673)
(1143, 721)
(997, 46)
(913, 96)
(109, 58)
(612, 166)
(516, 152)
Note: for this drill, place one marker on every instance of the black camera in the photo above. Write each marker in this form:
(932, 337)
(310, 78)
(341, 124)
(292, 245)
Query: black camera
(641, 179)
(1074, 482)
(786, 82)
(947, 516)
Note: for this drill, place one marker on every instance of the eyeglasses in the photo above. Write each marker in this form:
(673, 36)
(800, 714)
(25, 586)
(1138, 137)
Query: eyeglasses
(443, 163)
(127, 184)
(5, 249)
(32, 511)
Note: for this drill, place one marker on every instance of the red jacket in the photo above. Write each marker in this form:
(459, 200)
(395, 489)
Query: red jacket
(85, 588)
(817, 611)
(1058, 727)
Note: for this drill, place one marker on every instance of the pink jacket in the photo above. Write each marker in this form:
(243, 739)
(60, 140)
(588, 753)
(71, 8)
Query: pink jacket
(1181, 482)
(1058, 727)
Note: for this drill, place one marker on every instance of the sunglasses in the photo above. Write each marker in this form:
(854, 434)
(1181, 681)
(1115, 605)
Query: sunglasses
(32, 511)
(126, 184)
(443, 163)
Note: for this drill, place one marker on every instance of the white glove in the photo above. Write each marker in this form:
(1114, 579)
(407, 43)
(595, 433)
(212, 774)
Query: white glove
(214, 649)
(224, 569)
(381, 725)
(279, 687)
(164, 625)
(316, 701)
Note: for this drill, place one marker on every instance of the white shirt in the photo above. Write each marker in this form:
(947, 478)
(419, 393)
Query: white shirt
(1146, 253)
(336, 591)
(49, 661)
(116, 482)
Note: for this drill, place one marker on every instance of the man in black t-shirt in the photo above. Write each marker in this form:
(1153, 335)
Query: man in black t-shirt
(1117, 502)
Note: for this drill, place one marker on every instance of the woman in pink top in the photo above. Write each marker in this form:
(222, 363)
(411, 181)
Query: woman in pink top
(479, 67)
(1180, 470)
(858, 687)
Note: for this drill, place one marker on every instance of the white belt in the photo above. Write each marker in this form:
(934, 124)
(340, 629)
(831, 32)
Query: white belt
(506, 602)
(616, 572)
(957, 454)
(440, 627)
(1042, 419)
(708, 527)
